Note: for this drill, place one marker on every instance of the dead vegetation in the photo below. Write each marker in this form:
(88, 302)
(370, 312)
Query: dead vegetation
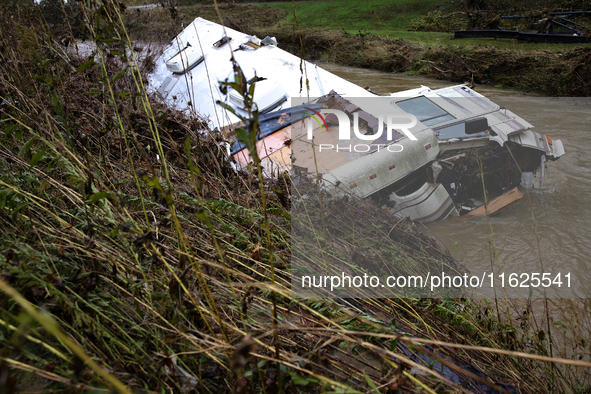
(137, 259)
(161, 25)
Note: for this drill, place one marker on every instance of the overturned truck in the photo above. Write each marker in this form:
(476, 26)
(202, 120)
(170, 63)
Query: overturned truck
(421, 153)
(463, 145)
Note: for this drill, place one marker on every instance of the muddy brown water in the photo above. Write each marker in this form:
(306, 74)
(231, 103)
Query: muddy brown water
(561, 206)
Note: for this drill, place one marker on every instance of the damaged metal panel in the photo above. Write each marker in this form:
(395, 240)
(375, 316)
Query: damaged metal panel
(370, 173)
(544, 143)
(428, 204)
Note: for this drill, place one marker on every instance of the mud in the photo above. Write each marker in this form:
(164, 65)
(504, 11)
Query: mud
(551, 73)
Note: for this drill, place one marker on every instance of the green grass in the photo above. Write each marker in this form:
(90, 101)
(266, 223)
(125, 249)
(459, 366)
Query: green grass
(390, 19)
(356, 15)
(385, 18)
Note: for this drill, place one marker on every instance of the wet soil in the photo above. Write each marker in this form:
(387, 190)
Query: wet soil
(551, 73)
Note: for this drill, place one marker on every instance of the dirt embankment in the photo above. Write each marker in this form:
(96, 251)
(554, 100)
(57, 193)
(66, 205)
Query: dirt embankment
(553, 73)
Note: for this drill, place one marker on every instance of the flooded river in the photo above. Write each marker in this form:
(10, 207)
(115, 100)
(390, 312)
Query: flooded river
(561, 207)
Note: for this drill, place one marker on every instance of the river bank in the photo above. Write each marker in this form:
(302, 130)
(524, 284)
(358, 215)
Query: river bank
(553, 73)
(550, 70)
